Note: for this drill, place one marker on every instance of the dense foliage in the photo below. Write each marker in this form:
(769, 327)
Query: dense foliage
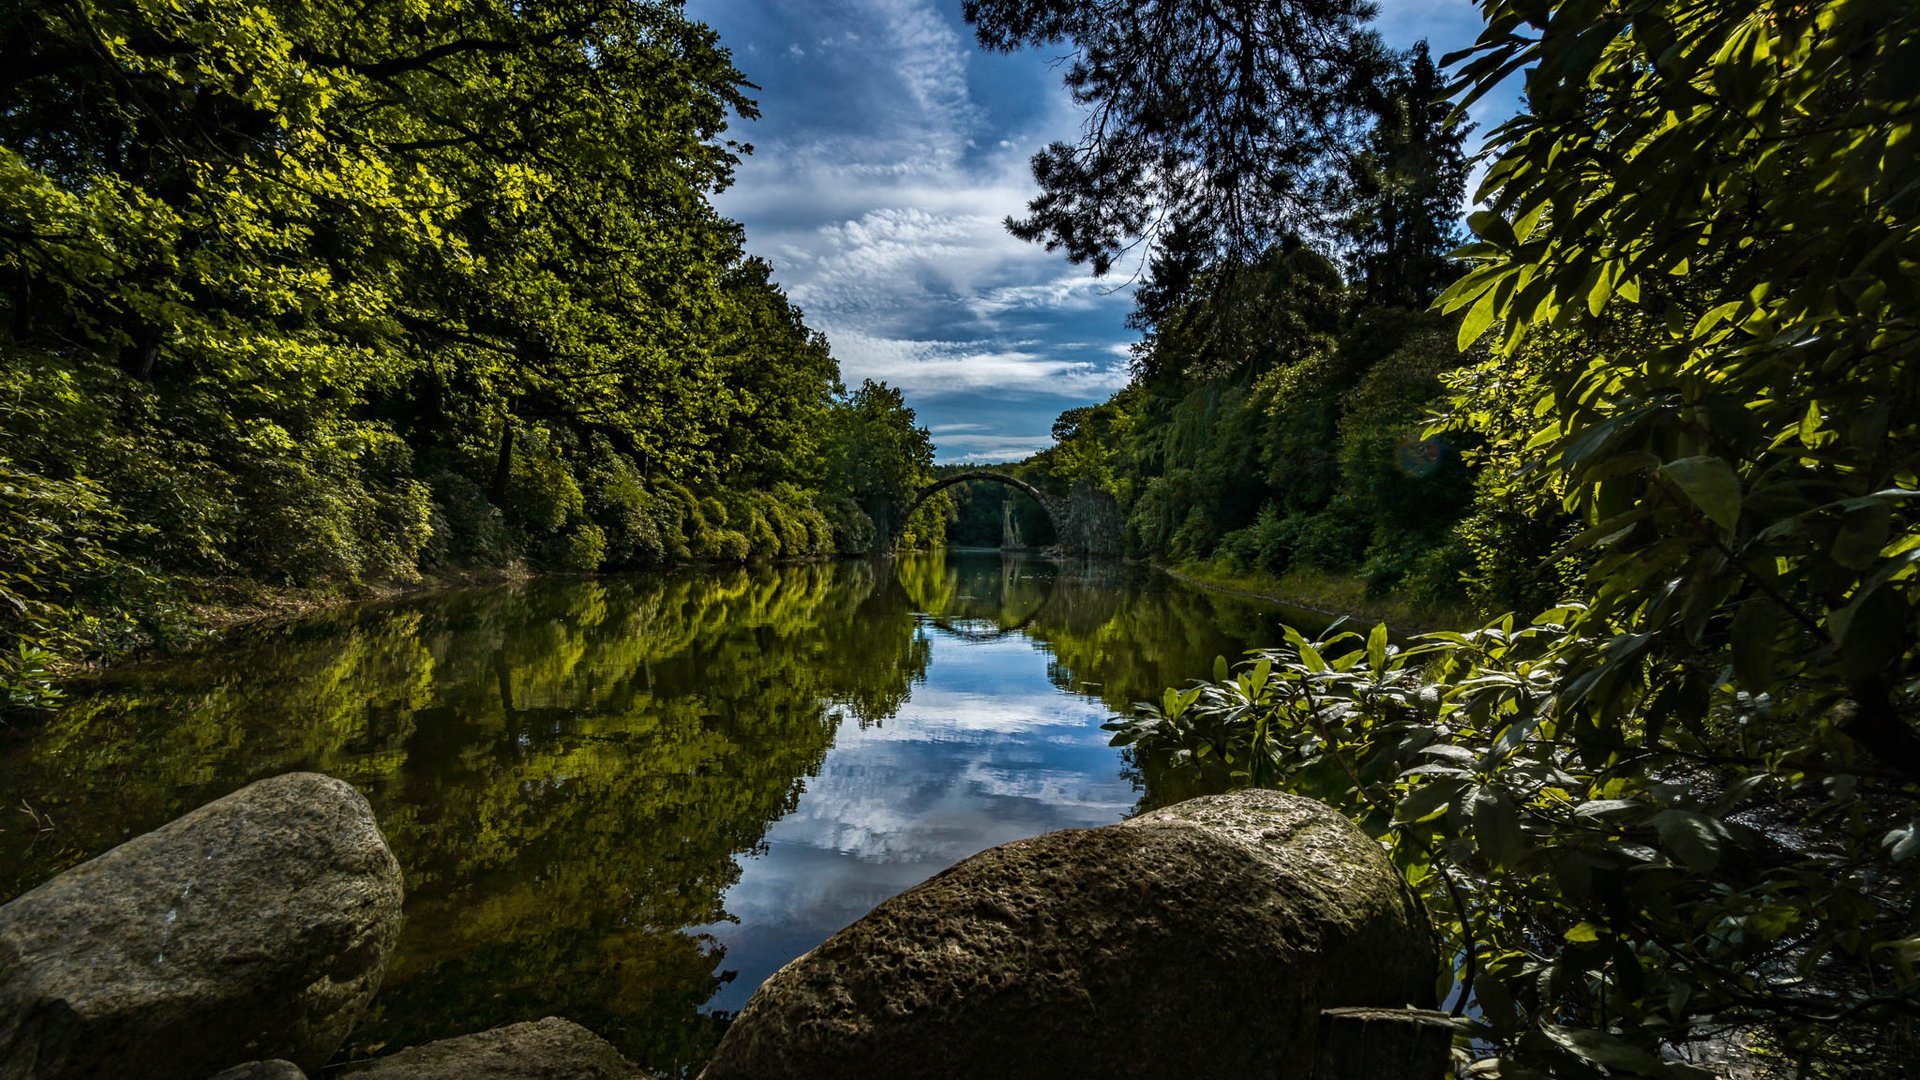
(1681, 801)
(1274, 423)
(314, 294)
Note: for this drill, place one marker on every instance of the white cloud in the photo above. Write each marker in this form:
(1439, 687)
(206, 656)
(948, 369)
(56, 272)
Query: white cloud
(881, 195)
(966, 449)
(946, 367)
(1071, 292)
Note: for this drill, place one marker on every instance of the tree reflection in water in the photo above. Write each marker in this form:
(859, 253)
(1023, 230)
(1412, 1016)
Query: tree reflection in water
(611, 795)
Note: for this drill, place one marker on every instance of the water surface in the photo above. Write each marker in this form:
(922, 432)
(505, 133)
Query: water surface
(628, 800)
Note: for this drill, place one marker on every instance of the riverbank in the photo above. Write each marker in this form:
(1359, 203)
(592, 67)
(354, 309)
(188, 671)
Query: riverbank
(1333, 595)
(183, 614)
(186, 614)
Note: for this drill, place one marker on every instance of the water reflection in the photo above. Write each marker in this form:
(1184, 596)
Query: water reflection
(628, 800)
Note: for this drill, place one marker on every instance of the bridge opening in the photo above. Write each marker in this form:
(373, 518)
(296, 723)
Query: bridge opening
(996, 516)
(995, 510)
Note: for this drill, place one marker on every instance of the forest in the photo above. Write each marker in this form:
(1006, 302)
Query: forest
(1622, 408)
(310, 296)
(1643, 438)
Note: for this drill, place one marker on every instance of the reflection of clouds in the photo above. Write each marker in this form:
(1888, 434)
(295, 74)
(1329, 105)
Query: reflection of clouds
(986, 751)
(944, 715)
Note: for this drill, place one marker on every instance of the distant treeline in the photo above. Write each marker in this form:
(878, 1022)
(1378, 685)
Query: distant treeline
(319, 293)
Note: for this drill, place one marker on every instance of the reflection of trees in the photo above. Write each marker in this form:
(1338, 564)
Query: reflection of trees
(875, 633)
(1116, 631)
(565, 770)
(978, 596)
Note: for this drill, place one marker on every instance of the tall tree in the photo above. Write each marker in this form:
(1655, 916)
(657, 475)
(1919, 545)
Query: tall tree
(877, 455)
(1222, 116)
(1407, 188)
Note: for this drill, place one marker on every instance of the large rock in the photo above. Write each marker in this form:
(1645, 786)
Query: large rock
(1200, 940)
(255, 927)
(550, 1049)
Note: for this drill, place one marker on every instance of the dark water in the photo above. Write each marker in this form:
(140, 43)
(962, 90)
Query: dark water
(628, 800)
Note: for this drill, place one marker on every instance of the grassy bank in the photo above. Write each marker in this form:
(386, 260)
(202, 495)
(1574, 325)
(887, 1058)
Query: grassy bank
(1325, 592)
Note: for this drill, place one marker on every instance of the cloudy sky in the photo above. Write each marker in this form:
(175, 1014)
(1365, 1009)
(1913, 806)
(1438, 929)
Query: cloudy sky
(889, 151)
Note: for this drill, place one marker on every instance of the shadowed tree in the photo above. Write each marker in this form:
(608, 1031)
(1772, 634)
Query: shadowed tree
(1225, 117)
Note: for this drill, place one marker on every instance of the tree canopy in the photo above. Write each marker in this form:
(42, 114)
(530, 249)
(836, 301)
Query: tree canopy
(1220, 119)
(323, 293)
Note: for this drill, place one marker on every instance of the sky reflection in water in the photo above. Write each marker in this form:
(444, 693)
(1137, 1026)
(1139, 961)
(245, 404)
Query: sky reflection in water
(986, 750)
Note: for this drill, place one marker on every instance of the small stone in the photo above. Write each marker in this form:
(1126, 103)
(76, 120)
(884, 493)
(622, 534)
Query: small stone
(253, 928)
(550, 1049)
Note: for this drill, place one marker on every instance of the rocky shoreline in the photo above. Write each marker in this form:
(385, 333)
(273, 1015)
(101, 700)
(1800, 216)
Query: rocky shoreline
(1249, 934)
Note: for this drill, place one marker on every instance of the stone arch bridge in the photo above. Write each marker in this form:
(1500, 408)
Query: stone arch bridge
(1086, 522)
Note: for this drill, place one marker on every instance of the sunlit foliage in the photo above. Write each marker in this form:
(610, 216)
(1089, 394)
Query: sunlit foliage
(321, 293)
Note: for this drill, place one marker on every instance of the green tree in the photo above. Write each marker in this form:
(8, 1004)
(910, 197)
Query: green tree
(879, 459)
(1406, 189)
(1219, 119)
(318, 293)
(1687, 797)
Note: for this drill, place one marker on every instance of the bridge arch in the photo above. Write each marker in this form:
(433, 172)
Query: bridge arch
(1054, 511)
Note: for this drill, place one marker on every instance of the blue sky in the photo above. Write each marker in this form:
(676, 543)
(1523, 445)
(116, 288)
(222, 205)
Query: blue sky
(889, 150)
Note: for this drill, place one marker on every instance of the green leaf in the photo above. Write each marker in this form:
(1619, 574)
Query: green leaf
(1607, 807)
(1427, 800)
(1695, 837)
(1478, 318)
(1710, 484)
(1490, 226)
(1862, 534)
(1615, 1054)
(1810, 426)
(1496, 824)
(1903, 843)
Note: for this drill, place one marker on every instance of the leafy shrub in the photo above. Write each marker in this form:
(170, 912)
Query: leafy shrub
(467, 529)
(1197, 536)
(583, 548)
(335, 505)
(1335, 538)
(1266, 545)
(1600, 887)
(54, 558)
(620, 505)
(542, 496)
(853, 531)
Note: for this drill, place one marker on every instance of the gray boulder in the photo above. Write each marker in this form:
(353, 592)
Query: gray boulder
(1200, 940)
(550, 1049)
(255, 927)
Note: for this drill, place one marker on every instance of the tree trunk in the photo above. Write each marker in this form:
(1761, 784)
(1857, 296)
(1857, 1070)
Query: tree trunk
(503, 463)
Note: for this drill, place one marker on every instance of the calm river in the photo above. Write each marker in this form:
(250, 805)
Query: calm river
(628, 800)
